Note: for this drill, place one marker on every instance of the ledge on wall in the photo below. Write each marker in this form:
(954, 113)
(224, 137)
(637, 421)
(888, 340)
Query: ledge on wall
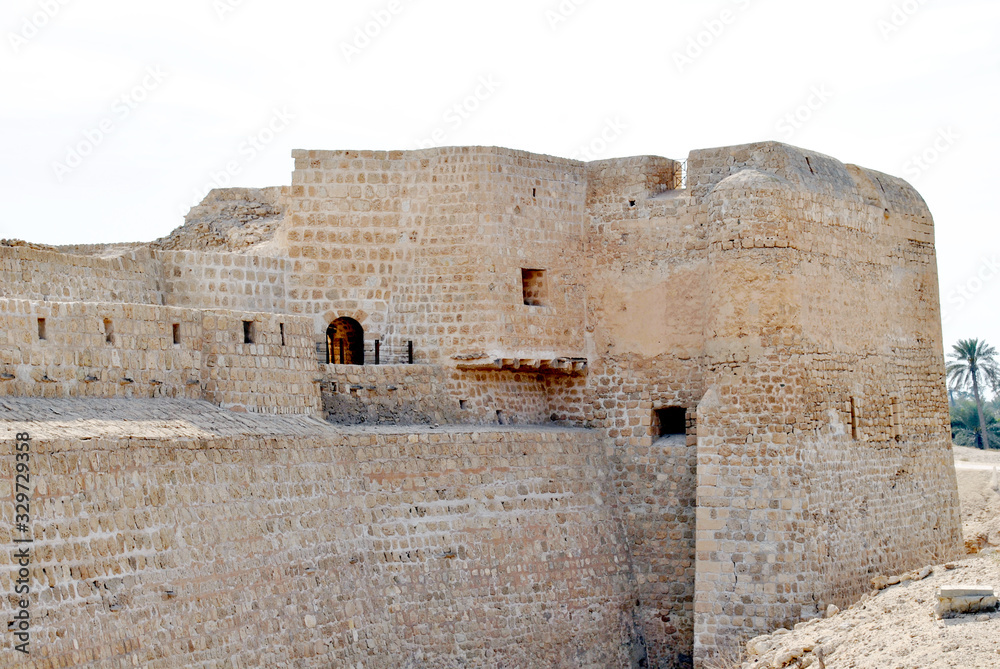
(482, 362)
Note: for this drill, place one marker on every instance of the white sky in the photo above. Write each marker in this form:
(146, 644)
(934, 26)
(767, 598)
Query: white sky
(887, 80)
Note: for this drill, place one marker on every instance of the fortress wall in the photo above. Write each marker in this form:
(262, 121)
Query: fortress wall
(389, 395)
(32, 274)
(826, 415)
(428, 246)
(267, 376)
(76, 359)
(81, 356)
(414, 549)
(619, 181)
(503, 397)
(646, 311)
(347, 235)
(535, 219)
(231, 281)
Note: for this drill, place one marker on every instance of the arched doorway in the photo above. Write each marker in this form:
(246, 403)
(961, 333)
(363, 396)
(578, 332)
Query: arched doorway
(345, 342)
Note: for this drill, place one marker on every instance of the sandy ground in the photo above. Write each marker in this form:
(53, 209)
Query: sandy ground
(896, 628)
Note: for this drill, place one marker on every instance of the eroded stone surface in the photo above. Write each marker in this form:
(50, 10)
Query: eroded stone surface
(757, 355)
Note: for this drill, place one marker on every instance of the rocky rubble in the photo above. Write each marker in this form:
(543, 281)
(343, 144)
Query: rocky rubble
(228, 219)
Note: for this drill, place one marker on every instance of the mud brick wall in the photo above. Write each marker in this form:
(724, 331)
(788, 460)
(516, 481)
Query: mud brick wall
(129, 350)
(232, 281)
(437, 549)
(33, 274)
(388, 395)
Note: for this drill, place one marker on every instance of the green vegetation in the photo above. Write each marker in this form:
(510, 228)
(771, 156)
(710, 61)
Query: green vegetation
(973, 365)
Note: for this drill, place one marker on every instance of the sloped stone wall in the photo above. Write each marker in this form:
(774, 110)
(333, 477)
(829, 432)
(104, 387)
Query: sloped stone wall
(312, 546)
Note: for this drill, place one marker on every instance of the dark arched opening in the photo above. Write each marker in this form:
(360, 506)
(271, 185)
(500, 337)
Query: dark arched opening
(345, 342)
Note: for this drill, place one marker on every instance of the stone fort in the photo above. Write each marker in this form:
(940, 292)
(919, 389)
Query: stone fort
(477, 407)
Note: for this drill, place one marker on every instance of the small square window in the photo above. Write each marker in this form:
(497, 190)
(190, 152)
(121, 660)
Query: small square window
(670, 420)
(533, 287)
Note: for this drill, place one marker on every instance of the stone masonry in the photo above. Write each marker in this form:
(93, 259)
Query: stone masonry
(622, 413)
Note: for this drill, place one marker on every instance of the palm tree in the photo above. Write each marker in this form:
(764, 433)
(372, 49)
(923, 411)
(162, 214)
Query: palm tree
(965, 429)
(974, 362)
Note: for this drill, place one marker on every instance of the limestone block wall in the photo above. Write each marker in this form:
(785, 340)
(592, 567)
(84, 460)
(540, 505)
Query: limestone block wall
(647, 264)
(232, 281)
(389, 395)
(630, 181)
(429, 246)
(88, 349)
(502, 397)
(33, 274)
(825, 363)
(454, 548)
(274, 373)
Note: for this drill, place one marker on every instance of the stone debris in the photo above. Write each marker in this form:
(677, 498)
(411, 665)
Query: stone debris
(954, 601)
(883, 582)
(897, 627)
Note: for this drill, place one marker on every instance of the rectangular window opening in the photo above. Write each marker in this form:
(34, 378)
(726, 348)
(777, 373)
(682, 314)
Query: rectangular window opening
(855, 418)
(177, 333)
(248, 332)
(109, 331)
(500, 419)
(281, 329)
(670, 421)
(41, 328)
(463, 405)
(533, 287)
(895, 419)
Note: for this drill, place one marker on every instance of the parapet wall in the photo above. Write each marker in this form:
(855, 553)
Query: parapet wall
(388, 395)
(88, 349)
(32, 274)
(233, 281)
(317, 546)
